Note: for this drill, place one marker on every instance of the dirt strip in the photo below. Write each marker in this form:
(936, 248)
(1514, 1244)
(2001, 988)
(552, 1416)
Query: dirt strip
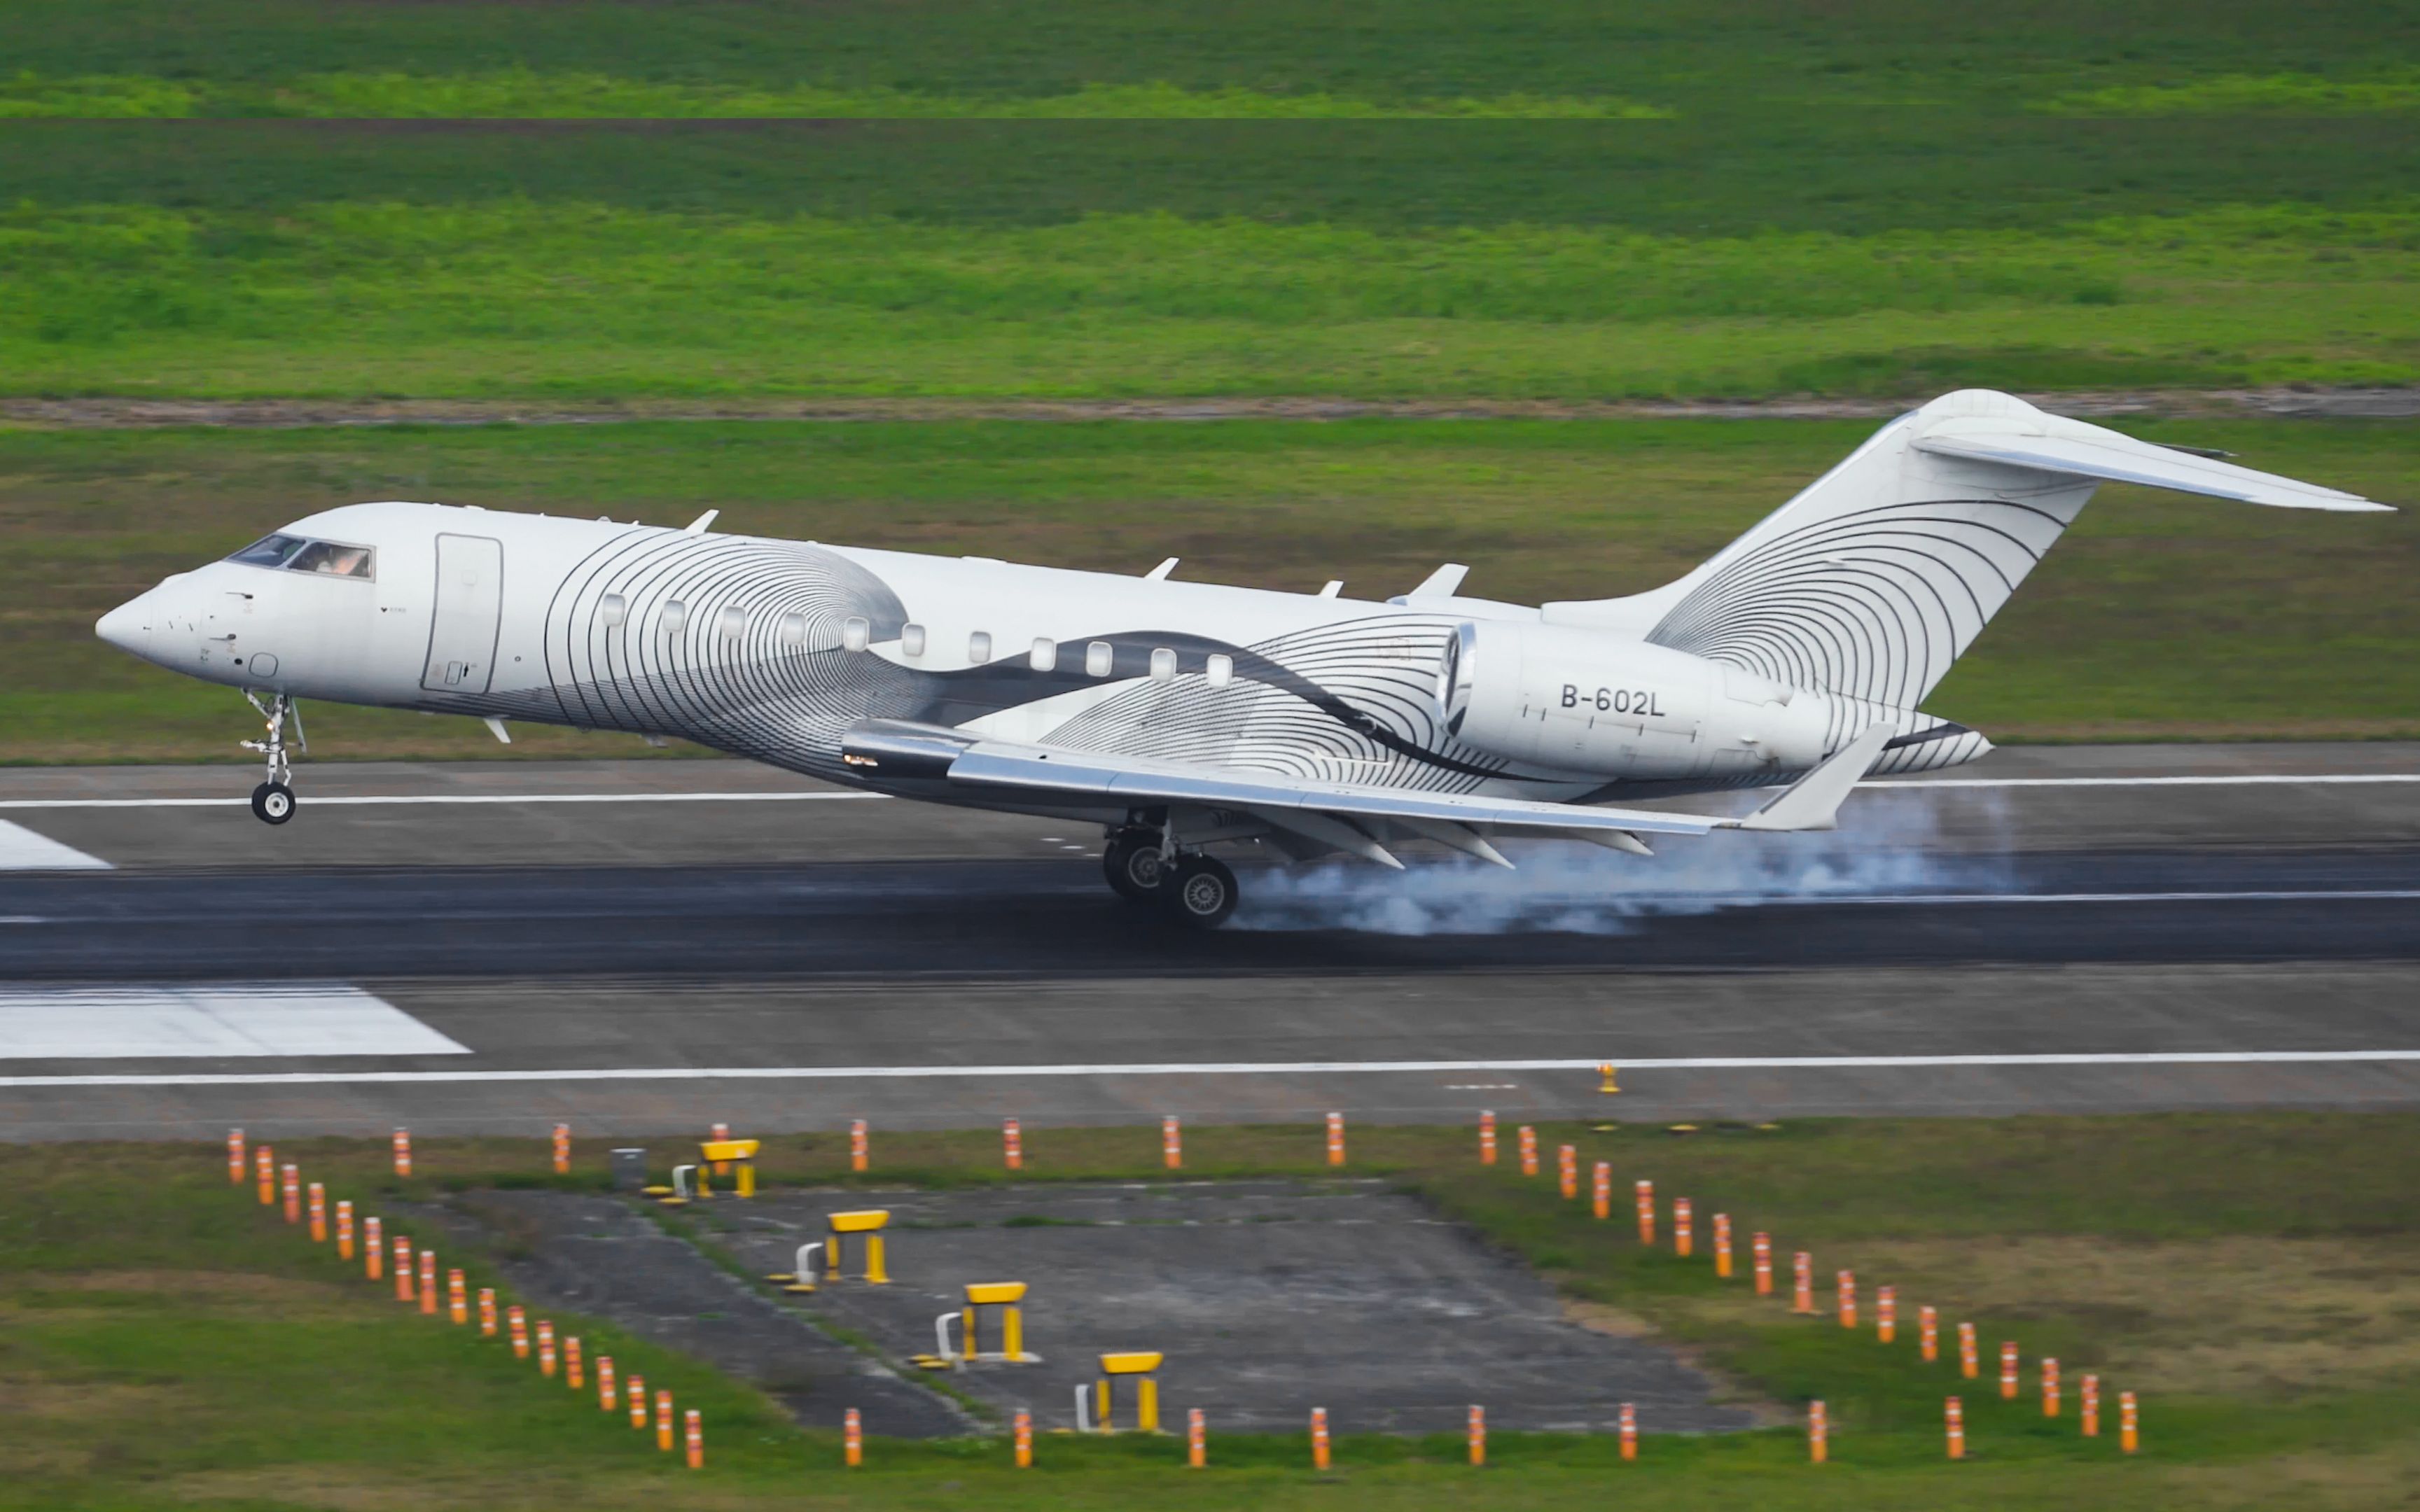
(121, 413)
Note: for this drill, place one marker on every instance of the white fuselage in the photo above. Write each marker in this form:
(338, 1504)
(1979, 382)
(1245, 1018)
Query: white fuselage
(773, 649)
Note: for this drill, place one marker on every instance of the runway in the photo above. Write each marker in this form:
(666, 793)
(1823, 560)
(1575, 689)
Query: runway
(639, 947)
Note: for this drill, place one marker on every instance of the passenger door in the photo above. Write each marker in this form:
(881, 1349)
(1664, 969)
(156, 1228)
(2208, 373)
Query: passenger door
(463, 624)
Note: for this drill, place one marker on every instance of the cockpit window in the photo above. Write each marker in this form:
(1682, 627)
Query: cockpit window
(269, 551)
(334, 560)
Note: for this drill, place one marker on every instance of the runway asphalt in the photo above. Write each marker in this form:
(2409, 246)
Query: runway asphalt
(644, 946)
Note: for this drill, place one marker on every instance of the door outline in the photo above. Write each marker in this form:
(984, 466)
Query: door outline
(485, 553)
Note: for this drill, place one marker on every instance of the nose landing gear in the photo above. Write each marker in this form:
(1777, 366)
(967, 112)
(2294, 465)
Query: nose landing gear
(272, 802)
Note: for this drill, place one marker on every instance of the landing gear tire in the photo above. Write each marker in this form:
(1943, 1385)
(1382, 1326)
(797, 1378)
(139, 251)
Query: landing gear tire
(1134, 866)
(1199, 892)
(273, 803)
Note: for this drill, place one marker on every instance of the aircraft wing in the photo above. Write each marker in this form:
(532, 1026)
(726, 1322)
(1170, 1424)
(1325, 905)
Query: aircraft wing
(1340, 814)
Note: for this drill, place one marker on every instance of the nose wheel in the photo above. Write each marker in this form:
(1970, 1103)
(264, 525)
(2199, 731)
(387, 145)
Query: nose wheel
(272, 802)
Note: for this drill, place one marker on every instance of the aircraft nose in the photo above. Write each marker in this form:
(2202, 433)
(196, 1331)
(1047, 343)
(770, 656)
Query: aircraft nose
(128, 626)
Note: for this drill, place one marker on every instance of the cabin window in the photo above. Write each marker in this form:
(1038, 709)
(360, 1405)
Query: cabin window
(1099, 658)
(1221, 669)
(1045, 653)
(613, 609)
(676, 616)
(793, 629)
(732, 622)
(911, 640)
(856, 632)
(330, 560)
(979, 648)
(1163, 664)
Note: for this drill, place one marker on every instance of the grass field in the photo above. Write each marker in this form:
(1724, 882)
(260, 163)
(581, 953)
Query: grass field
(1093, 198)
(170, 1343)
(2156, 617)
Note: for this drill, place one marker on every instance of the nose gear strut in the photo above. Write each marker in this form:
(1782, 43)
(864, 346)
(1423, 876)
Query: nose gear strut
(272, 802)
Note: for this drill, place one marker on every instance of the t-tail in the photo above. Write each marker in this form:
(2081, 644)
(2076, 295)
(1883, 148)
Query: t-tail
(1879, 575)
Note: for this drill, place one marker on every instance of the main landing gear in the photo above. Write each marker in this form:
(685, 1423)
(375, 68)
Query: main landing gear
(272, 802)
(1191, 888)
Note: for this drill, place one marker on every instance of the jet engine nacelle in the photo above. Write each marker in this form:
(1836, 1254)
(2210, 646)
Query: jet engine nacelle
(1580, 701)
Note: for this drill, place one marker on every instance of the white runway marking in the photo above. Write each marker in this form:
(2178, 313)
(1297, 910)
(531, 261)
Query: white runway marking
(227, 1019)
(354, 801)
(1270, 1068)
(22, 849)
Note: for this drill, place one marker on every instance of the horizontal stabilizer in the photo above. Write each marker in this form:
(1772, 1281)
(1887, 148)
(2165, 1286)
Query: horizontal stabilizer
(2116, 458)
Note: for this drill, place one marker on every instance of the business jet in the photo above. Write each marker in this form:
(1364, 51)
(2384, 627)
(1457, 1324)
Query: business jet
(1184, 716)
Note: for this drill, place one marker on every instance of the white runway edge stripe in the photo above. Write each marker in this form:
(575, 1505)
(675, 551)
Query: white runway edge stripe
(1270, 1068)
(362, 800)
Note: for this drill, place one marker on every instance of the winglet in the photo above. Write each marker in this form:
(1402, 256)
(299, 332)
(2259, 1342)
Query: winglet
(1444, 583)
(1813, 802)
(699, 525)
(1159, 574)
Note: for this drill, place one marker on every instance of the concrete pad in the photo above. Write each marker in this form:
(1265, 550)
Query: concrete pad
(1268, 1297)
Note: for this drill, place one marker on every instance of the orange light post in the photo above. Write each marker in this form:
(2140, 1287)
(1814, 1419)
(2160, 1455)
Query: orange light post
(852, 1433)
(573, 1375)
(1197, 1440)
(665, 1420)
(694, 1431)
(1022, 1432)
(546, 1348)
(2049, 1386)
(1970, 1364)
(1723, 1245)
(1336, 1139)
(1172, 1142)
(1643, 1200)
(1319, 1438)
(404, 1290)
(1012, 1144)
(1486, 1139)
(264, 1171)
(635, 1398)
(373, 1249)
(458, 1300)
(1819, 1433)
(1760, 1246)
(2129, 1436)
(607, 1397)
(1802, 1283)
(344, 1230)
(429, 1283)
(235, 1157)
(1953, 1414)
(1601, 1191)
(563, 1149)
(1629, 1431)
(2089, 1407)
(402, 1152)
(2009, 1370)
(1927, 1333)
(1886, 1314)
(1846, 1283)
(487, 1312)
(516, 1321)
(1567, 1170)
(1475, 1431)
(1529, 1150)
(1683, 1231)
(289, 1186)
(856, 1144)
(319, 1207)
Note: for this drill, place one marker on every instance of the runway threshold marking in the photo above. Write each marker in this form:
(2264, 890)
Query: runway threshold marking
(22, 849)
(366, 800)
(1270, 1068)
(225, 1019)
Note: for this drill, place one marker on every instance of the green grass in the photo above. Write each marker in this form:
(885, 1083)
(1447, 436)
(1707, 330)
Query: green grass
(171, 1342)
(1879, 200)
(2156, 616)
